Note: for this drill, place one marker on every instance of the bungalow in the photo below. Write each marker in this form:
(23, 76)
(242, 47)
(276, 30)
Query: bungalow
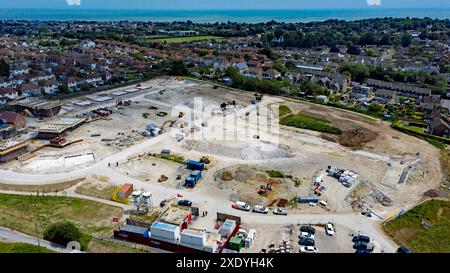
(385, 96)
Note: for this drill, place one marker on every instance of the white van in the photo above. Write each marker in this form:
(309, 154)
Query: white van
(243, 206)
(260, 209)
(323, 203)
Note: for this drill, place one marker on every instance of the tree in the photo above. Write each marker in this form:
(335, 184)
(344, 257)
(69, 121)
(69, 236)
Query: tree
(406, 40)
(62, 233)
(4, 68)
(267, 51)
(354, 50)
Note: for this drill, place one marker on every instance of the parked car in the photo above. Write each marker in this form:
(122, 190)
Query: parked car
(403, 249)
(308, 249)
(361, 238)
(329, 229)
(260, 209)
(306, 241)
(243, 206)
(308, 229)
(279, 211)
(185, 203)
(363, 251)
(306, 235)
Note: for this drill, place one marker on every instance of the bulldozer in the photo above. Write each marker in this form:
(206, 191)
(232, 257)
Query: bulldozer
(162, 178)
(206, 159)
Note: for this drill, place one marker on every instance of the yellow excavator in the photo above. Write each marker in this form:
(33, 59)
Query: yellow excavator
(170, 122)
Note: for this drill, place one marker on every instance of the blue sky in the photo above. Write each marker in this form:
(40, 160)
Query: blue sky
(222, 4)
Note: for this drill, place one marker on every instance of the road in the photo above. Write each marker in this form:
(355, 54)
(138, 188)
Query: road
(17, 237)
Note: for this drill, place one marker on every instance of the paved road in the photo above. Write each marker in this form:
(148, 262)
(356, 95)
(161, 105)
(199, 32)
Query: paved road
(14, 236)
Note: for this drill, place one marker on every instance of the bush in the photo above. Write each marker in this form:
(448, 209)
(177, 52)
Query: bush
(62, 233)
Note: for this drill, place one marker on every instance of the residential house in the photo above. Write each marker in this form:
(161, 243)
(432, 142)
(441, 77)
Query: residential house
(30, 89)
(385, 96)
(73, 83)
(361, 92)
(15, 119)
(405, 90)
(241, 67)
(7, 94)
(51, 86)
(440, 126)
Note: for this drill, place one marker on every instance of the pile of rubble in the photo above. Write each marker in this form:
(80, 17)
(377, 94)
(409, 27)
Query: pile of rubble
(381, 198)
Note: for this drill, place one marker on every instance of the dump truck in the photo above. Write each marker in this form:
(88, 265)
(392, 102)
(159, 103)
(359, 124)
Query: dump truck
(193, 178)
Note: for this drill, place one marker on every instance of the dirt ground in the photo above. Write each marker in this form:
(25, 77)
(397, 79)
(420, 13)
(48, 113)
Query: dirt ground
(243, 182)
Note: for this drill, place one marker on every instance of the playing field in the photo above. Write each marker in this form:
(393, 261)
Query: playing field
(425, 228)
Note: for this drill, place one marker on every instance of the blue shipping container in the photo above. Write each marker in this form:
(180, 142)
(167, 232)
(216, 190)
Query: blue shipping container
(195, 165)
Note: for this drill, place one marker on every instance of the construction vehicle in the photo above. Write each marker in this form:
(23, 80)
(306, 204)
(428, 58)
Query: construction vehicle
(206, 159)
(170, 122)
(180, 115)
(258, 96)
(264, 189)
(162, 178)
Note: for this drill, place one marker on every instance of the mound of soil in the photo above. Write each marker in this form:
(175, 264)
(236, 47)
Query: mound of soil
(356, 138)
(227, 176)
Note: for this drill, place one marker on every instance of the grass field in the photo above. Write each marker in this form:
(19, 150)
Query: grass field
(284, 110)
(308, 122)
(409, 230)
(22, 248)
(22, 212)
(189, 39)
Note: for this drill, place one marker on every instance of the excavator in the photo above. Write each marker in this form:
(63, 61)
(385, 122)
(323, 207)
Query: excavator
(263, 190)
(170, 122)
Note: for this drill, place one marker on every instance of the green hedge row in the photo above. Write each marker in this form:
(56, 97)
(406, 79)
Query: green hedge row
(311, 123)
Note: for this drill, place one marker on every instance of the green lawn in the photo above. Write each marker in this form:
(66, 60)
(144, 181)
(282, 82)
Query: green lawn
(22, 212)
(22, 248)
(189, 39)
(307, 122)
(408, 228)
(284, 110)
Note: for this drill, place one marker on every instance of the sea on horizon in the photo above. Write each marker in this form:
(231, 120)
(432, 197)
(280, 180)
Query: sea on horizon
(212, 16)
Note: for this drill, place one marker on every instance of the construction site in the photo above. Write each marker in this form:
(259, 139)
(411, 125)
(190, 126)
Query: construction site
(176, 139)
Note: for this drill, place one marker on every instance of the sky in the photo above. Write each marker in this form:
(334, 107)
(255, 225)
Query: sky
(223, 4)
